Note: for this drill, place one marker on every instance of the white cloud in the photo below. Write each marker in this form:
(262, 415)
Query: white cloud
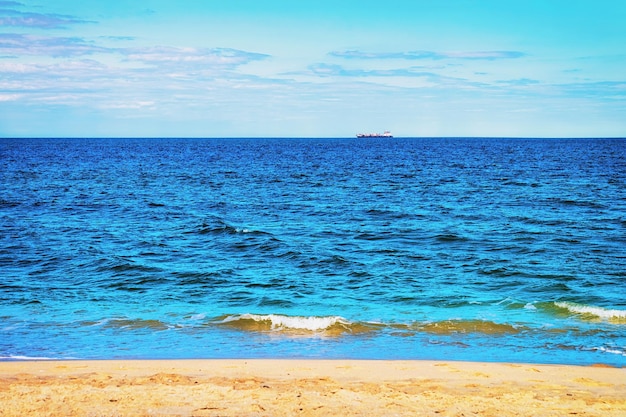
(11, 16)
(416, 55)
(29, 45)
(9, 97)
(115, 70)
(159, 55)
(333, 70)
(133, 105)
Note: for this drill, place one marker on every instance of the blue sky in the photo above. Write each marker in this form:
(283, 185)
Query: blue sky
(206, 68)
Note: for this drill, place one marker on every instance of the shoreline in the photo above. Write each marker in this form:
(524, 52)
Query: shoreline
(286, 387)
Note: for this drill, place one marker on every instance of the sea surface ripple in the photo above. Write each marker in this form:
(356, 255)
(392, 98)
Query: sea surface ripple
(489, 249)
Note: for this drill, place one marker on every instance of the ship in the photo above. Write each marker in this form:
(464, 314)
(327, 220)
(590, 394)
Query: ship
(385, 134)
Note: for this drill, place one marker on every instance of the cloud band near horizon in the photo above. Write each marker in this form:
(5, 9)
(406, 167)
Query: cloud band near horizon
(417, 55)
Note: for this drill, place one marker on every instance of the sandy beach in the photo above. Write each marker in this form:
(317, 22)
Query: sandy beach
(307, 388)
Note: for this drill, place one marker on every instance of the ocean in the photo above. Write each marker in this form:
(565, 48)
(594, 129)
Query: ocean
(485, 249)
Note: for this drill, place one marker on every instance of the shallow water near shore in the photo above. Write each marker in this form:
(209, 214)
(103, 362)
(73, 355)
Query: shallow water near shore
(405, 248)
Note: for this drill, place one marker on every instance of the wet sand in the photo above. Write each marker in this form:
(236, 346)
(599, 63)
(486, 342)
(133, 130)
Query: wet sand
(308, 388)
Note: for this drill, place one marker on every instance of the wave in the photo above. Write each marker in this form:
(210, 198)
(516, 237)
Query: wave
(29, 358)
(578, 203)
(129, 324)
(8, 203)
(214, 225)
(337, 325)
(331, 325)
(450, 237)
(611, 350)
(593, 312)
(485, 327)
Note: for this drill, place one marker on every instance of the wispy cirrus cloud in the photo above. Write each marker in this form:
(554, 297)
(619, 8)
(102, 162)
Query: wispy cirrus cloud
(333, 70)
(40, 81)
(10, 15)
(71, 70)
(611, 90)
(61, 68)
(159, 55)
(519, 82)
(417, 55)
(16, 44)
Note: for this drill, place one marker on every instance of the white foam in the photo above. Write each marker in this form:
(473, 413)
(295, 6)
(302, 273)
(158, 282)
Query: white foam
(278, 321)
(613, 351)
(601, 312)
(28, 358)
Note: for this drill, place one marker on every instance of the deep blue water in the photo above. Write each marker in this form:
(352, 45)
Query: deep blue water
(404, 248)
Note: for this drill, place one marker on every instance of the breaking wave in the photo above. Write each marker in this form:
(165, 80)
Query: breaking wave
(593, 312)
(278, 322)
(337, 325)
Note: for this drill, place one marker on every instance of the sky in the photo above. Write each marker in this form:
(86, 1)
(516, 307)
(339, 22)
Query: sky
(286, 68)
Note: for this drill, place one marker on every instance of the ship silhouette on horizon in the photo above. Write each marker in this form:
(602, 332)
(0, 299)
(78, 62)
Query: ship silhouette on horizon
(385, 134)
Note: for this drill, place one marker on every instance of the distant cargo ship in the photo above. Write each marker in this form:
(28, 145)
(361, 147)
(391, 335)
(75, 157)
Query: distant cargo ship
(386, 134)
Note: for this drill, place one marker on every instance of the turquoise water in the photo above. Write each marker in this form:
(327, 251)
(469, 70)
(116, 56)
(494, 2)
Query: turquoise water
(405, 248)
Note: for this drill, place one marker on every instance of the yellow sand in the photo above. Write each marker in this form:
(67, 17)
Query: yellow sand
(307, 388)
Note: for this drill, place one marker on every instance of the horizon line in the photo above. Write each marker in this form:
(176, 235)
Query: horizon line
(311, 137)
